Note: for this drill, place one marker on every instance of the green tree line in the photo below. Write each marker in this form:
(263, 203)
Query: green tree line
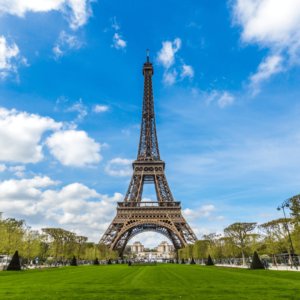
(57, 243)
(240, 240)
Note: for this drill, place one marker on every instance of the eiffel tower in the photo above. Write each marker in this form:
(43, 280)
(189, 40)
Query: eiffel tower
(135, 216)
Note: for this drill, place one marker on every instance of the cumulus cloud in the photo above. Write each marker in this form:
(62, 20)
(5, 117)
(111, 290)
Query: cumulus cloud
(119, 42)
(74, 148)
(166, 56)
(21, 134)
(119, 167)
(9, 58)
(74, 207)
(100, 108)
(76, 11)
(201, 212)
(273, 24)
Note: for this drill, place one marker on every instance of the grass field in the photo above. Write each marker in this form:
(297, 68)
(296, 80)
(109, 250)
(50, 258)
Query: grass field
(164, 281)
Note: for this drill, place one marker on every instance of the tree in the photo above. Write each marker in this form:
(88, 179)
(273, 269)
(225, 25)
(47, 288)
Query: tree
(256, 263)
(239, 233)
(295, 208)
(80, 242)
(280, 232)
(96, 261)
(209, 261)
(200, 248)
(56, 236)
(12, 232)
(14, 264)
(31, 244)
(269, 237)
(73, 262)
(101, 250)
(189, 251)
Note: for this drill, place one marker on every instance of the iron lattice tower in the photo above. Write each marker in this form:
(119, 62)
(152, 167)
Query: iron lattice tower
(135, 216)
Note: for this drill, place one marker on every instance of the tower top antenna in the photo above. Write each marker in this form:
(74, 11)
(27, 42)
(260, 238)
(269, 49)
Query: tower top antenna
(147, 55)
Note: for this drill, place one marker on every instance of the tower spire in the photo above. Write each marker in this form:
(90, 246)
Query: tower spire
(148, 146)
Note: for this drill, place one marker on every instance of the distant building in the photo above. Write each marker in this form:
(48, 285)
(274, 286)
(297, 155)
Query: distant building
(164, 250)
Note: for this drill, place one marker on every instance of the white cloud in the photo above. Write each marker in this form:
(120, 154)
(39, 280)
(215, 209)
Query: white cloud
(119, 43)
(21, 134)
(271, 65)
(114, 24)
(74, 148)
(57, 52)
(16, 168)
(71, 40)
(2, 168)
(80, 108)
(74, 207)
(187, 71)
(64, 43)
(9, 55)
(274, 24)
(167, 53)
(200, 231)
(77, 11)
(119, 167)
(166, 58)
(225, 99)
(170, 77)
(100, 108)
(201, 212)
(18, 171)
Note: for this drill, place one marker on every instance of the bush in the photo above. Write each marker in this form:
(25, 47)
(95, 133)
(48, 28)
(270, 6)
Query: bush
(109, 262)
(183, 261)
(14, 264)
(256, 263)
(73, 262)
(209, 261)
(129, 263)
(193, 262)
(117, 262)
(96, 261)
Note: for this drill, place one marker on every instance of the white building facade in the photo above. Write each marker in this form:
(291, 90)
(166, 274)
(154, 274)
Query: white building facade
(164, 251)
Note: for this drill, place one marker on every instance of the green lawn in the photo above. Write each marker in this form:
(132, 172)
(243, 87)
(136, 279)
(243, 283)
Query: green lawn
(164, 281)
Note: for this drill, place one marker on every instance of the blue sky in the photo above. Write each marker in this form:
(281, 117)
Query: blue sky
(226, 99)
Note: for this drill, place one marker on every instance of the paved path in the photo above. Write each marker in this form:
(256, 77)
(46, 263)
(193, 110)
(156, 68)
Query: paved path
(280, 268)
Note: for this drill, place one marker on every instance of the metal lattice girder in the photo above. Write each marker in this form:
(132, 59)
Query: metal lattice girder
(163, 216)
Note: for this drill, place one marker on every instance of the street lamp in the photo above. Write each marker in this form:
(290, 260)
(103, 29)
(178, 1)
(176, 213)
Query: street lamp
(283, 205)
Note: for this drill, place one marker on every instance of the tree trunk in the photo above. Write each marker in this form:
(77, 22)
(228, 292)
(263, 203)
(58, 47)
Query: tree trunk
(244, 258)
